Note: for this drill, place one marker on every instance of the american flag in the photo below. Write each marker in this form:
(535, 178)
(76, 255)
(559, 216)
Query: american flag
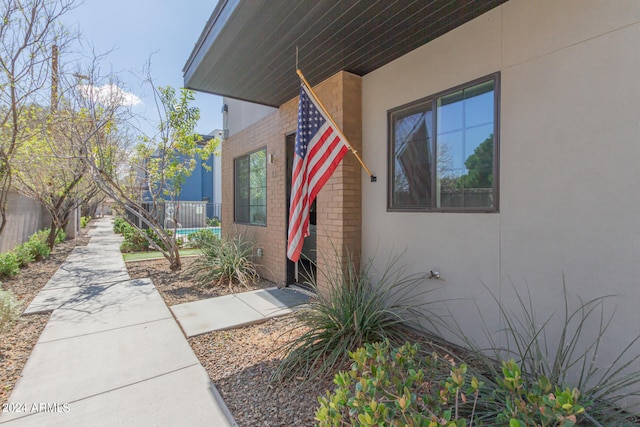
(319, 149)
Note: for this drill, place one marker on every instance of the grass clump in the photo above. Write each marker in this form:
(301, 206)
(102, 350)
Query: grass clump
(350, 313)
(10, 309)
(225, 262)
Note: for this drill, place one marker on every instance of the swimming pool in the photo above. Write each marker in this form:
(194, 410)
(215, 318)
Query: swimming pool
(187, 231)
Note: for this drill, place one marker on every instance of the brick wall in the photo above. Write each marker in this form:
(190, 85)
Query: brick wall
(339, 202)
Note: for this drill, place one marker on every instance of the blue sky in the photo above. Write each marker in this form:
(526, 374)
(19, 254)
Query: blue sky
(133, 30)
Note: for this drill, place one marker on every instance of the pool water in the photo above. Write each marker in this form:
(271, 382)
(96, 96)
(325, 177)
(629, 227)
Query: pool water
(187, 231)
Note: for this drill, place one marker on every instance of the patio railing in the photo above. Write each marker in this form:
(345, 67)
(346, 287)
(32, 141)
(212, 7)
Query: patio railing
(189, 214)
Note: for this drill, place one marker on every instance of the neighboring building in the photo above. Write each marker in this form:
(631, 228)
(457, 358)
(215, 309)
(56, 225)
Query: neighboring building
(202, 187)
(504, 136)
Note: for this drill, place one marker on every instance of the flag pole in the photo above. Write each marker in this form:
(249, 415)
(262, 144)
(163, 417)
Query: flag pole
(337, 128)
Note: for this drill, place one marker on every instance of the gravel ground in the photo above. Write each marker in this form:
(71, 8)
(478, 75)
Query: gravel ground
(177, 287)
(17, 342)
(240, 361)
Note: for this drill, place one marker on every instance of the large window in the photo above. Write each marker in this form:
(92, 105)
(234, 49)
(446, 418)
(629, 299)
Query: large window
(444, 151)
(251, 188)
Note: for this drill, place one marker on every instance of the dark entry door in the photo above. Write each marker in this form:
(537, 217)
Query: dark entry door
(305, 269)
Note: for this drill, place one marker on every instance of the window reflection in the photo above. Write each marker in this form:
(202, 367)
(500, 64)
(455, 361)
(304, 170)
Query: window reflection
(251, 188)
(412, 180)
(453, 158)
(465, 147)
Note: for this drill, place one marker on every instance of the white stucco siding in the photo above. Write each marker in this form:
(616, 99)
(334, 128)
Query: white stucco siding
(242, 114)
(569, 157)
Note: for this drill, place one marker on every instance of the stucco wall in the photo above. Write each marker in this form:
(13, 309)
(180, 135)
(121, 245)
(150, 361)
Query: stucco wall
(242, 114)
(24, 217)
(569, 157)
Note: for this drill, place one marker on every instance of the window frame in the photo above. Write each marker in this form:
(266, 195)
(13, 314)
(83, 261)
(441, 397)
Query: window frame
(431, 101)
(235, 187)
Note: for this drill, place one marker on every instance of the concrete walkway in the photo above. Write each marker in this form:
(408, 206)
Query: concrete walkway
(111, 353)
(233, 311)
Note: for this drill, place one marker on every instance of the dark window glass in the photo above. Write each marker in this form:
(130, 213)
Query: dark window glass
(251, 188)
(412, 157)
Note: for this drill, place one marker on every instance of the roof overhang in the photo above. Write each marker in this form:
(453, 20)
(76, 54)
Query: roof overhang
(247, 49)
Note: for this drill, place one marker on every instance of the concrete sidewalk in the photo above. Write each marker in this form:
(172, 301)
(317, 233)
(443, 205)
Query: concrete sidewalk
(111, 353)
(235, 310)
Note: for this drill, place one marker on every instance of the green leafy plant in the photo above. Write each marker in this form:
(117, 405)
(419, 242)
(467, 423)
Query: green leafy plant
(37, 244)
(9, 265)
(213, 222)
(535, 403)
(84, 221)
(61, 236)
(225, 262)
(199, 238)
(572, 363)
(156, 239)
(350, 312)
(10, 309)
(24, 255)
(119, 225)
(399, 387)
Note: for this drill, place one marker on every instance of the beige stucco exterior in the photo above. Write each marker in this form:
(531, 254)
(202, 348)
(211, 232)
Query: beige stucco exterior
(569, 157)
(569, 161)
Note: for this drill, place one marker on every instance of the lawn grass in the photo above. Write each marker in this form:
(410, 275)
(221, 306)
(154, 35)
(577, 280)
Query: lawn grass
(140, 256)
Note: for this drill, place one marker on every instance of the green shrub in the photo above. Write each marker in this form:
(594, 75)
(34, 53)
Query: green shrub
(24, 255)
(199, 238)
(84, 221)
(156, 239)
(535, 403)
(225, 262)
(133, 241)
(10, 309)
(401, 387)
(398, 387)
(351, 312)
(119, 224)
(38, 246)
(61, 236)
(9, 265)
(572, 363)
(213, 222)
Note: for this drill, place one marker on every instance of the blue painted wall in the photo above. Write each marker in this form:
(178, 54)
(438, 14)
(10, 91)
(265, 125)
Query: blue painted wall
(198, 186)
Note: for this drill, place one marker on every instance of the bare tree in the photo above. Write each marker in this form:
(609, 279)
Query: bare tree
(123, 163)
(29, 36)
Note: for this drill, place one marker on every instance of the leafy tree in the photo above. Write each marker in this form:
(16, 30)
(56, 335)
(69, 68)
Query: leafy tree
(168, 158)
(158, 164)
(29, 37)
(479, 166)
(60, 181)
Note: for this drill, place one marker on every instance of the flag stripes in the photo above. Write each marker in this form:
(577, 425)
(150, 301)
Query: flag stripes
(318, 152)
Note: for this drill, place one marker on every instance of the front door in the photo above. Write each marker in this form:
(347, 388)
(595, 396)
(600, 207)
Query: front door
(304, 270)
